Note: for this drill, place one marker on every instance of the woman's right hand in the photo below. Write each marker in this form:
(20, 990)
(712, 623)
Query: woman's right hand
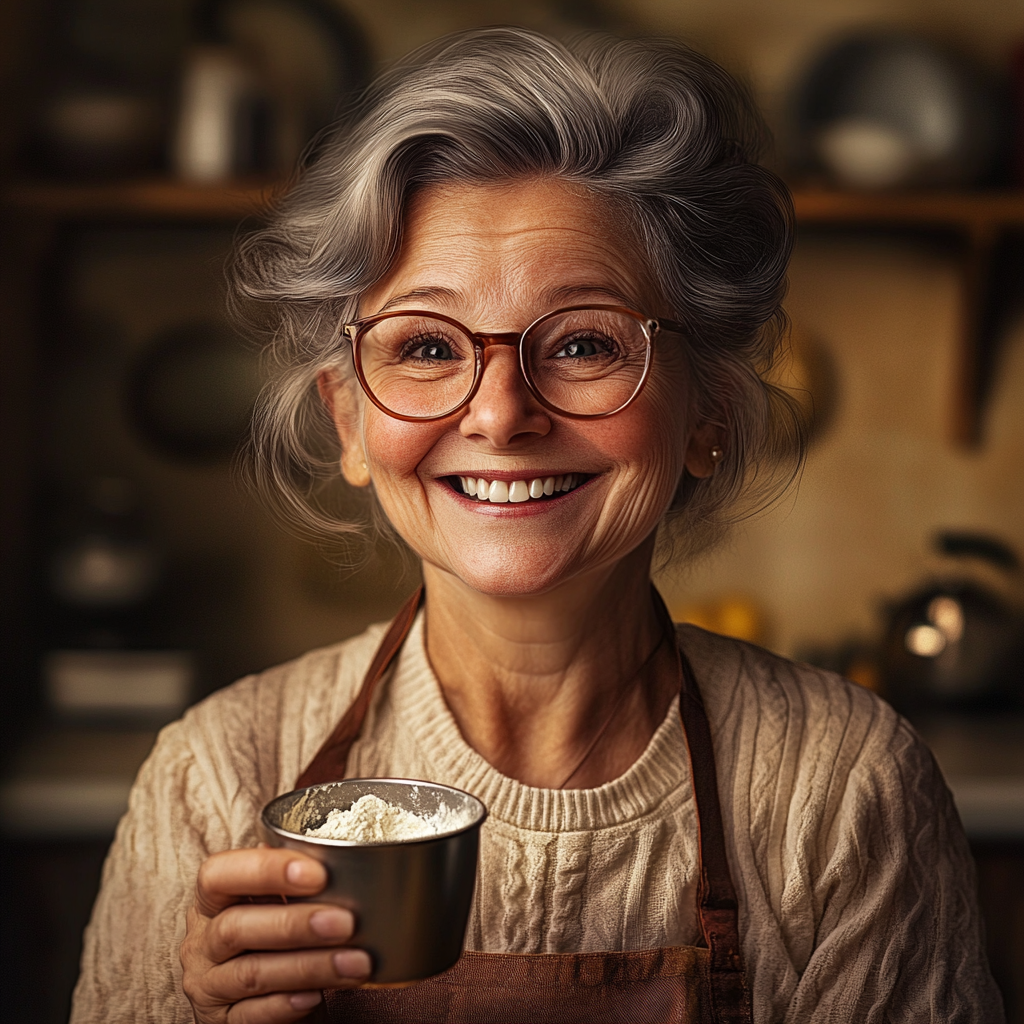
(257, 963)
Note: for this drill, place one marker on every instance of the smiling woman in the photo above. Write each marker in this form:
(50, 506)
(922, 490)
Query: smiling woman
(500, 256)
(655, 141)
(526, 295)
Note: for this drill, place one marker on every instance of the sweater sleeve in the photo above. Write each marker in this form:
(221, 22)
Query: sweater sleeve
(898, 937)
(200, 792)
(130, 968)
(855, 881)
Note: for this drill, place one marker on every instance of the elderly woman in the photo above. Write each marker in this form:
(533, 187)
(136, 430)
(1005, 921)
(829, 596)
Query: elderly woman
(529, 291)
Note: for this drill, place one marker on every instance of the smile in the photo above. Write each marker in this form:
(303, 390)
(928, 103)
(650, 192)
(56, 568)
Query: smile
(500, 492)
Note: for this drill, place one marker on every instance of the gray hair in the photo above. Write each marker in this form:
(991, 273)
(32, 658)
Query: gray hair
(650, 126)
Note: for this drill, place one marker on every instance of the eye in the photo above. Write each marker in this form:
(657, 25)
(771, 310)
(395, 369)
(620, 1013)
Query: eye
(584, 346)
(431, 350)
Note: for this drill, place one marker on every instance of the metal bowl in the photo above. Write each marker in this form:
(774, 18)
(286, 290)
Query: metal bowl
(886, 109)
(411, 899)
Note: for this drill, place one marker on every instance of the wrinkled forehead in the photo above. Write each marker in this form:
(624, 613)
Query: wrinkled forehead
(527, 246)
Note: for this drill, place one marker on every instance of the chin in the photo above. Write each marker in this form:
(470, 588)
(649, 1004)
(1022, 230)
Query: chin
(511, 573)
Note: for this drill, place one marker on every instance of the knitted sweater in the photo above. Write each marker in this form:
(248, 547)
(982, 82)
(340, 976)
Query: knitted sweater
(855, 883)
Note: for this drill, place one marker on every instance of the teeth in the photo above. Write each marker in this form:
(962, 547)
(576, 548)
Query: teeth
(519, 491)
(500, 492)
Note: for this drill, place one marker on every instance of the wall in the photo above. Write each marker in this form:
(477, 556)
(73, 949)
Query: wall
(857, 528)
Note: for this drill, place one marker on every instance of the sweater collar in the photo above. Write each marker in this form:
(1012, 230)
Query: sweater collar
(661, 771)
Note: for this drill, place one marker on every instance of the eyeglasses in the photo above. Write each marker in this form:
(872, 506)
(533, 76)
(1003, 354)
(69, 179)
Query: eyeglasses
(584, 362)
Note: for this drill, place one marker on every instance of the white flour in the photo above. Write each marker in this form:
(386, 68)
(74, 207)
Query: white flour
(373, 820)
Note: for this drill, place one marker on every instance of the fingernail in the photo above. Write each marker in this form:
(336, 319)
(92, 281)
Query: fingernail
(304, 1000)
(352, 963)
(332, 924)
(304, 873)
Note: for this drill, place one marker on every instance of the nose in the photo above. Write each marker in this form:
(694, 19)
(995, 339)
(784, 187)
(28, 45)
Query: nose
(503, 410)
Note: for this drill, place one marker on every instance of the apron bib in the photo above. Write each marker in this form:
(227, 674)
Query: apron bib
(679, 984)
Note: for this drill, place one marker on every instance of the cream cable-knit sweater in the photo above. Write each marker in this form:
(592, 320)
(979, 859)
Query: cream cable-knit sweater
(855, 883)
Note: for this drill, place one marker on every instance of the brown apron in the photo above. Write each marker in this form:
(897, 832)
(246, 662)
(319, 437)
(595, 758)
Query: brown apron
(687, 984)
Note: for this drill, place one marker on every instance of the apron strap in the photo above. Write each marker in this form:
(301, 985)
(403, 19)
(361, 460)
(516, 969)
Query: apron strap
(718, 907)
(717, 903)
(328, 765)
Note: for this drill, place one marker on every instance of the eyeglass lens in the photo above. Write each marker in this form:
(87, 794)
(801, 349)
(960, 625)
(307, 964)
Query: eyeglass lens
(585, 362)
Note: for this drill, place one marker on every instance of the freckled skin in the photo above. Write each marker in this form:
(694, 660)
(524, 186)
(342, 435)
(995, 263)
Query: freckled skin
(496, 258)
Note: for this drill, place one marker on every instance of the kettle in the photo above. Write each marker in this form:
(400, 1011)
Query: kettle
(956, 644)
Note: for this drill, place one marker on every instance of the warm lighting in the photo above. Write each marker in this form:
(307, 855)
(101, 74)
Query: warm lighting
(947, 616)
(925, 641)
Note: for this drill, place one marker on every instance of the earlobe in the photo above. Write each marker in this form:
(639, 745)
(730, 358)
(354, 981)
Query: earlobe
(353, 465)
(704, 450)
(336, 396)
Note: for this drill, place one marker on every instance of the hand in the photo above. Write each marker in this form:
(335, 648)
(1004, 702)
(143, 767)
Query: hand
(264, 963)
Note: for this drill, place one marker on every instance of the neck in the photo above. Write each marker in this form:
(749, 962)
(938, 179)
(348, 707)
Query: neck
(533, 680)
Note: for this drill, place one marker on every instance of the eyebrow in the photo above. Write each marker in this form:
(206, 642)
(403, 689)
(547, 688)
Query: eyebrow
(430, 292)
(556, 295)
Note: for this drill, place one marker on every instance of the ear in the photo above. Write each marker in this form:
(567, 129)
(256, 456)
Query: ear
(699, 461)
(337, 395)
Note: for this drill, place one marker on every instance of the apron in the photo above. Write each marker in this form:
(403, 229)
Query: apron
(684, 984)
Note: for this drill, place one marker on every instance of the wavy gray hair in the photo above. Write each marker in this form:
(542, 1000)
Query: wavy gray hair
(652, 127)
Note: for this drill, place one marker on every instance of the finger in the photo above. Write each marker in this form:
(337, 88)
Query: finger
(225, 877)
(265, 926)
(259, 974)
(279, 1008)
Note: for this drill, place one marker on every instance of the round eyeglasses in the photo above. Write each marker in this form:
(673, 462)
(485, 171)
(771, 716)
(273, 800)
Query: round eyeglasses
(583, 362)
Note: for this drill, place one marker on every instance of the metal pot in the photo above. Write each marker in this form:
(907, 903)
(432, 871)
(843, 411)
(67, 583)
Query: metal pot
(411, 899)
(955, 644)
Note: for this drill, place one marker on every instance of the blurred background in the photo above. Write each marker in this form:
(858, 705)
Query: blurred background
(138, 136)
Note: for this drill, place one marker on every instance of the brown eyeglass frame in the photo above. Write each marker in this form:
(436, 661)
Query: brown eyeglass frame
(482, 340)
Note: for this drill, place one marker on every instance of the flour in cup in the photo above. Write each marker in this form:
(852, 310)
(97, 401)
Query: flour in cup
(373, 820)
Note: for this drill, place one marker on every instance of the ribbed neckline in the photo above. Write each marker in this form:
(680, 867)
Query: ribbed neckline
(661, 772)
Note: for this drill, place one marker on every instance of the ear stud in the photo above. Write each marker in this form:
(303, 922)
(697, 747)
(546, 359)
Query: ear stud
(717, 453)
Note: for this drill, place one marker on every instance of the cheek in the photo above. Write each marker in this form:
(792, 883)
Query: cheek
(394, 448)
(651, 441)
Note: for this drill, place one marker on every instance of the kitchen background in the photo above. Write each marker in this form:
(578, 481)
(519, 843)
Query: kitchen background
(137, 135)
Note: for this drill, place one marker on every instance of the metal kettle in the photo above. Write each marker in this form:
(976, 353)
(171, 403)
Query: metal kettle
(957, 644)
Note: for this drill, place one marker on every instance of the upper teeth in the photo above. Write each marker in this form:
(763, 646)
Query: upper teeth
(499, 491)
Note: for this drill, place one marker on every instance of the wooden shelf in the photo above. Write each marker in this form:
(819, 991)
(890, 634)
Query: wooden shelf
(965, 211)
(156, 198)
(165, 197)
(981, 220)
